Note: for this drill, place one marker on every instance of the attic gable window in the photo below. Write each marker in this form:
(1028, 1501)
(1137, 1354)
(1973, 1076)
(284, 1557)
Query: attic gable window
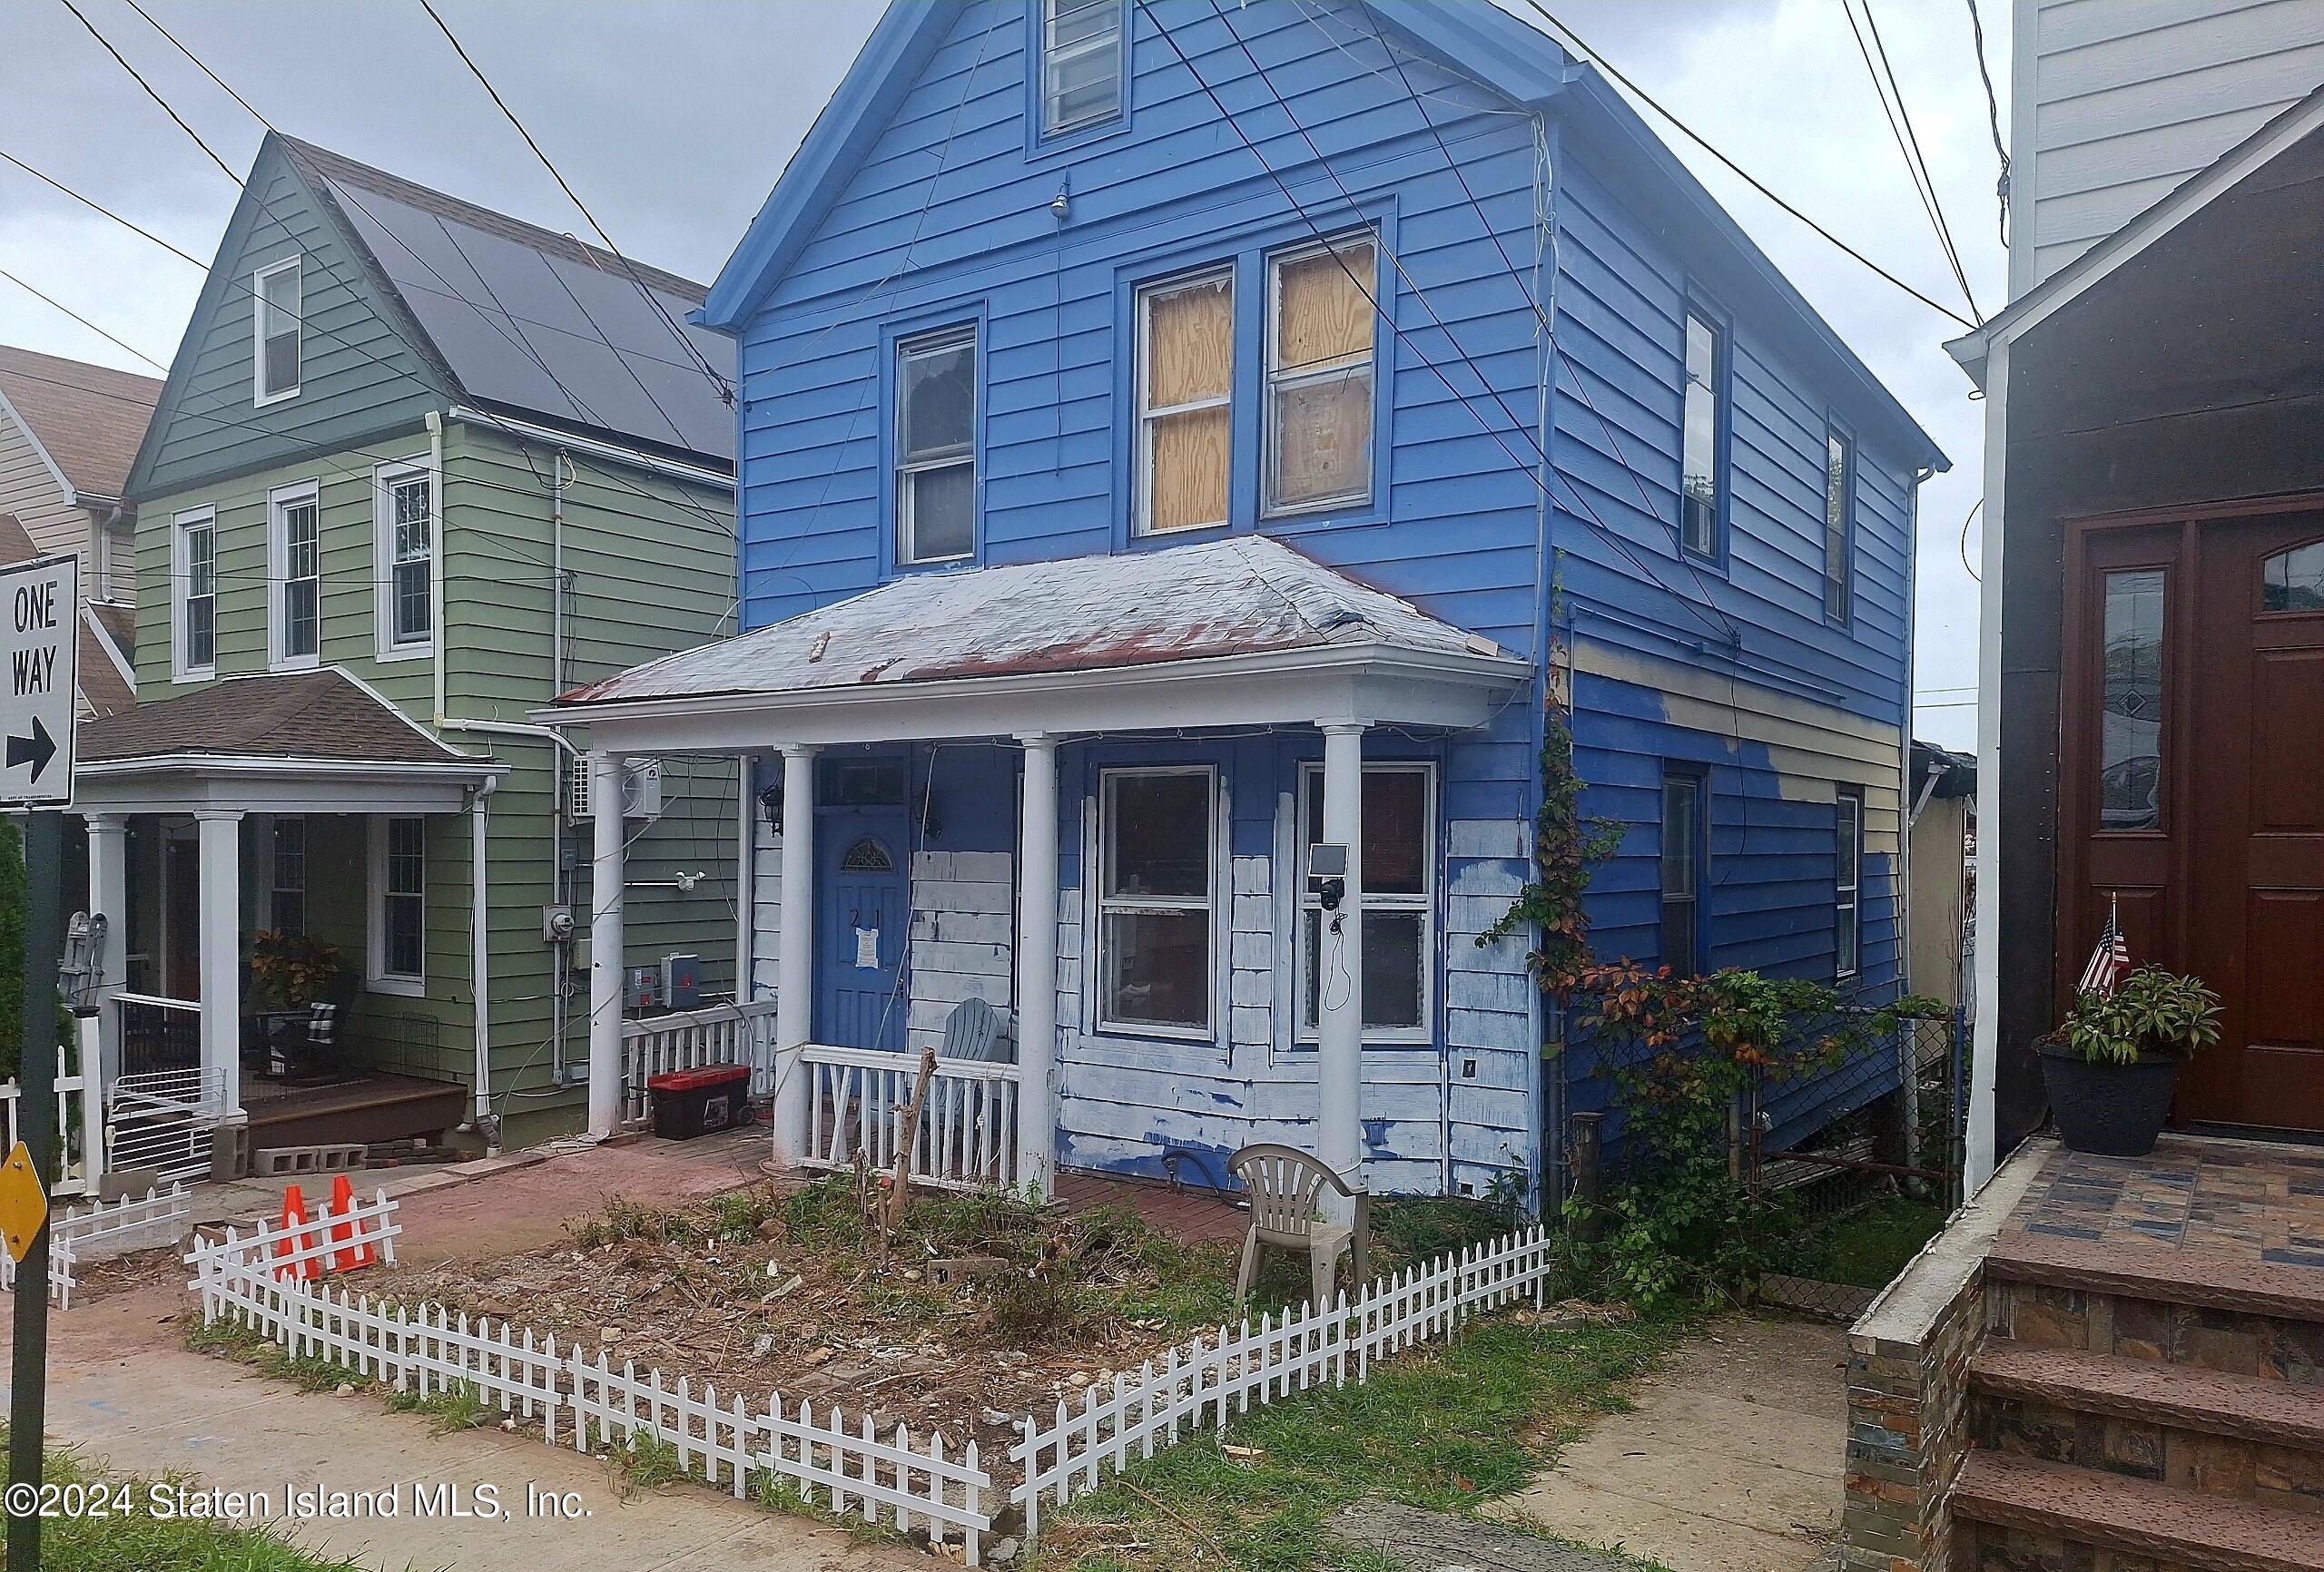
(936, 448)
(1081, 64)
(276, 309)
(1321, 310)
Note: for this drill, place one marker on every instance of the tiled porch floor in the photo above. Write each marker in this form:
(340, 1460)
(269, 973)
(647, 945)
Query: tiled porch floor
(1189, 1214)
(2247, 1203)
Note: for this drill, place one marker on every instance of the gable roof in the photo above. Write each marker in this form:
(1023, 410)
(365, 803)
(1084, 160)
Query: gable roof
(87, 419)
(1246, 595)
(1476, 39)
(498, 313)
(2184, 201)
(99, 683)
(322, 714)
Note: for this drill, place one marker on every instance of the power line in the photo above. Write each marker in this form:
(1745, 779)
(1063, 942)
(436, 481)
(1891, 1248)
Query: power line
(725, 389)
(59, 305)
(1735, 169)
(1908, 143)
(1993, 119)
(139, 78)
(1381, 311)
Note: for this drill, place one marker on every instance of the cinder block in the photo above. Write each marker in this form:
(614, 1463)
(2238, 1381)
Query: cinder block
(334, 1157)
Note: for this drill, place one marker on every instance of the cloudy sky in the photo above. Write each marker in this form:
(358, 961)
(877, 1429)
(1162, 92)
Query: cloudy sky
(674, 117)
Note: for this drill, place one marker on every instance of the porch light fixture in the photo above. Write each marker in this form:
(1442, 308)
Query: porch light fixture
(770, 805)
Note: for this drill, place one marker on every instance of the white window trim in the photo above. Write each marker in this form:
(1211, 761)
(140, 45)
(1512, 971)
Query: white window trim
(1209, 906)
(181, 580)
(1718, 387)
(1118, 45)
(1141, 524)
(1839, 575)
(1274, 380)
(1847, 900)
(970, 334)
(378, 979)
(271, 888)
(384, 477)
(1425, 903)
(260, 397)
(279, 502)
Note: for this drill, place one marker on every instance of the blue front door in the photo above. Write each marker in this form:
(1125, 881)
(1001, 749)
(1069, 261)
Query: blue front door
(861, 921)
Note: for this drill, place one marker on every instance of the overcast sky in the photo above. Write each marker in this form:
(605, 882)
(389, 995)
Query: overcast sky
(674, 117)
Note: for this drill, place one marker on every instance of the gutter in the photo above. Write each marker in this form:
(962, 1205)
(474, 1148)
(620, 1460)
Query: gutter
(677, 469)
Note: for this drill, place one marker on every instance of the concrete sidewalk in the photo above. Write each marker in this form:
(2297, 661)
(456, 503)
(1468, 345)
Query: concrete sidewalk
(123, 1389)
(1733, 1460)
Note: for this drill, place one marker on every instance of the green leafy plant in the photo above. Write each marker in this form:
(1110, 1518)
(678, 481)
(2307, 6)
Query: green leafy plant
(294, 970)
(2152, 1012)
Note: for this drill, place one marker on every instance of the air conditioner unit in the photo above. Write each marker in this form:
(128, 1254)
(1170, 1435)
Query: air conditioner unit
(641, 789)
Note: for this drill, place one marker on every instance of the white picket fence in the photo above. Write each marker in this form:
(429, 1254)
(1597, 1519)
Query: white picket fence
(742, 1033)
(100, 1231)
(968, 1125)
(916, 1487)
(78, 1119)
(1199, 1385)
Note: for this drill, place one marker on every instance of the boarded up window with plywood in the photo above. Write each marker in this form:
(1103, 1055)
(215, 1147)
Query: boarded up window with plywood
(1321, 313)
(1185, 391)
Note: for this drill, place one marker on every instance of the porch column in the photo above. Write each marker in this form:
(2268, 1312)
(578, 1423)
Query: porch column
(108, 897)
(219, 834)
(606, 952)
(794, 977)
(1037, 967)
(1339, 1060)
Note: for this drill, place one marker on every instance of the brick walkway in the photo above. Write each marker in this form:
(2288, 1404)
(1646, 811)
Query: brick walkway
(1187, 1213)
(2243, 1201)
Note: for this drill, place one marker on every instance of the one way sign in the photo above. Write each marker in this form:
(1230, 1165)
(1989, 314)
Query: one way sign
(40, 613)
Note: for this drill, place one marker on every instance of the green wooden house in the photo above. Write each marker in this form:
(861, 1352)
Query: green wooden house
(417, 468)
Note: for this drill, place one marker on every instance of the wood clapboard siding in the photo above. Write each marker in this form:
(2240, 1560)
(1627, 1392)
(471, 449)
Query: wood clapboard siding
(29, 492)
(946, 219)
(2120, 103)
(358, 379)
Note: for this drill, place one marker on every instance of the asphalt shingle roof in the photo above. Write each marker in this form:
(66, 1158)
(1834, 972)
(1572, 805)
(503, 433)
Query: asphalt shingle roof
(90, 418)
(317, 714)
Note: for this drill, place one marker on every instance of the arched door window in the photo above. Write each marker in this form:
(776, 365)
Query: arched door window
(867, 856)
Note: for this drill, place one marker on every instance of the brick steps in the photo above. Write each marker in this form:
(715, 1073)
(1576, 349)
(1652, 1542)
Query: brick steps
(2055, 1508)
(2150, 1391)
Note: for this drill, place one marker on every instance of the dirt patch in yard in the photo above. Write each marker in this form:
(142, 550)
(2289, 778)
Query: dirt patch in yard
(760, 1291)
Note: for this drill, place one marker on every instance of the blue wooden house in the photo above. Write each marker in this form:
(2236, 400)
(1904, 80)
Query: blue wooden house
(1185, 447)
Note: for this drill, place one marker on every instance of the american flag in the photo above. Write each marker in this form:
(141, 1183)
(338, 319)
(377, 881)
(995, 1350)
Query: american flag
(2111, 960)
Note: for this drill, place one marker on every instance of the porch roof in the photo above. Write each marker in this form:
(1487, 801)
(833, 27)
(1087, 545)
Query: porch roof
(285, 741)
(1108, 642)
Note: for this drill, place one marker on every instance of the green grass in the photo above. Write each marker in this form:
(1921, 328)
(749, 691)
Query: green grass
(1446, 1428)
(136, 1541)
(1868, 1247)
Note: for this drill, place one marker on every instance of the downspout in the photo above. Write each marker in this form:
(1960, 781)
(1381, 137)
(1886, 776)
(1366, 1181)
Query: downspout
(480, 959)
(435, 578)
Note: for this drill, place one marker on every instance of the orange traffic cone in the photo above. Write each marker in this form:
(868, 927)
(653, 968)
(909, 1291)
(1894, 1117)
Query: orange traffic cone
(349, 1254)
(296, 1236)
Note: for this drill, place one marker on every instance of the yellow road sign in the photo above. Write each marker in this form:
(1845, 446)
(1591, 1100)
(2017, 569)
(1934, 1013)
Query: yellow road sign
(24, 1203)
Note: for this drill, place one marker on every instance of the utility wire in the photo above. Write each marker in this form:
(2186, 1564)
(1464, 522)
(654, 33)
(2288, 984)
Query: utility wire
(135, 75)
(53, 302)
(1909, 136)
(725, 389)
(1381, 311)
(1735, 169)
(1993, 119)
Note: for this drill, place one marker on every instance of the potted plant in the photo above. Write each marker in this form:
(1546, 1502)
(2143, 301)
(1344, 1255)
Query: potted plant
(292, 970)
(2113, 1064)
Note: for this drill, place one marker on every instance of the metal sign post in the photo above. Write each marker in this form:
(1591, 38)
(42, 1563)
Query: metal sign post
(40, 612)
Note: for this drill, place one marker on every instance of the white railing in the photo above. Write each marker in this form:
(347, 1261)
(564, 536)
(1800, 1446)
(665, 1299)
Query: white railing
(1199, 1385)
(99, 1232)
(161, 1120)
(742, 1033)
(968, 1125)
(79, 1121)
(914, 1486)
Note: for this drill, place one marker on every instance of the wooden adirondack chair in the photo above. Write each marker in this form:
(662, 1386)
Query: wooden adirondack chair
(1285, 1183)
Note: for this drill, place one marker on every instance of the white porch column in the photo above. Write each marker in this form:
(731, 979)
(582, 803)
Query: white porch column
(108, 897)
(606, 953)
(1339, 1060)
(794, 985)
(220, 832)
(1037, 967)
